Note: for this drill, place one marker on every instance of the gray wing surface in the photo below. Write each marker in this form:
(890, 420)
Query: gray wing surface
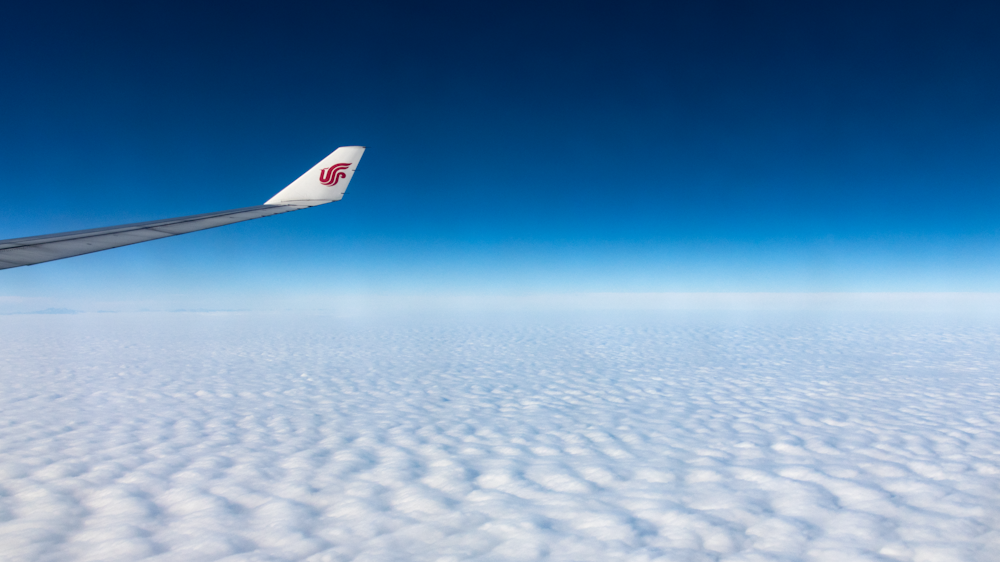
(39, 249)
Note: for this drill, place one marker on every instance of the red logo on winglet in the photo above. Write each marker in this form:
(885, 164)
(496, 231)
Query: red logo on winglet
(333, 174)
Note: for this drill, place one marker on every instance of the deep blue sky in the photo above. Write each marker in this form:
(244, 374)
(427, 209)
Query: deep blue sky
(513, 148)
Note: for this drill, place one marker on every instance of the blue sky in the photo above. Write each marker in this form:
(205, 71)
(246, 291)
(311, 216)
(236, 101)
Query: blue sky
(513, 148)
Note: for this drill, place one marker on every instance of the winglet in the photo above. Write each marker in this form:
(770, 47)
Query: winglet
(324, 182)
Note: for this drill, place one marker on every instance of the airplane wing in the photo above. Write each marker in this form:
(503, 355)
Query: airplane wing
(323, 183)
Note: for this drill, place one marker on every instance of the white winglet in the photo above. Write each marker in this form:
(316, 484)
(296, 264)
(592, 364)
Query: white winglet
(324, 182)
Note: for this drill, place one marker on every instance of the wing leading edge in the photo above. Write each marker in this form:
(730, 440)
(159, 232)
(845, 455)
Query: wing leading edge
(323, 183)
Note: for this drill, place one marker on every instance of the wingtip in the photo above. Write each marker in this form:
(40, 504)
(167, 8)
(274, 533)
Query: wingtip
(312, 186)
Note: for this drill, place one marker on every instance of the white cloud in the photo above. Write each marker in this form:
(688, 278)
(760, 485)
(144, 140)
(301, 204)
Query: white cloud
(272, 437)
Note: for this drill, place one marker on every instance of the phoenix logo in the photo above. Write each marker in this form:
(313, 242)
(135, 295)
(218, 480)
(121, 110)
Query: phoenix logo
(333, 174)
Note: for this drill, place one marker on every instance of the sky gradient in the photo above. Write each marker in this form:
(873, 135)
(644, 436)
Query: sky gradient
(512, 148)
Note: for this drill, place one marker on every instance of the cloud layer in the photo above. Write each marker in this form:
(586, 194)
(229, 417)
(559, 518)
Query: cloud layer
(251, 437)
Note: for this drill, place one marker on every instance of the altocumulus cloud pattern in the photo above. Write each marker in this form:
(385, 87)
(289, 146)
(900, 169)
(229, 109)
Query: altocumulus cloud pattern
(194, 437)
